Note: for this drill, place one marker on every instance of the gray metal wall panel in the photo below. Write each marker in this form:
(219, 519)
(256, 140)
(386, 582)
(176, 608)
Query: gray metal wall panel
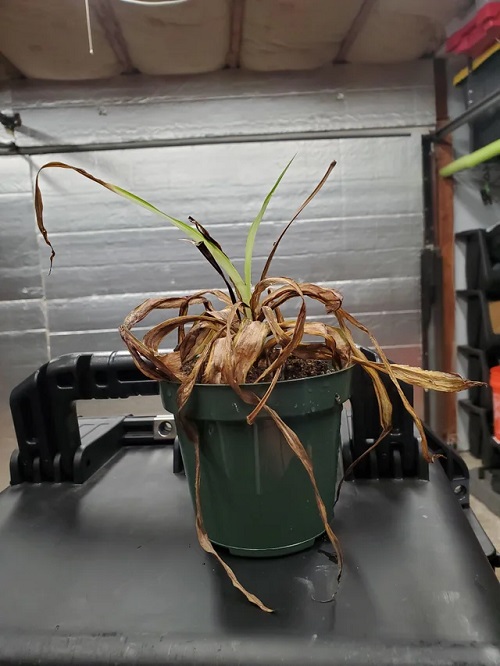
(373, 232)
(20, 275)
(143, 276)
(392, 329)
(107, 312)
(364, 229)
(22, 315)
(92, 250)
(20, 355)
(23, 335)
(15, 175)
(389, 327)
(230, 103)
(67, 343)
(362, 234)
(414, 77)
(222, 184)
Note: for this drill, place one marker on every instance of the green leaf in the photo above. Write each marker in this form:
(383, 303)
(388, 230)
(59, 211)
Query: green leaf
(301, 208)
(221, 258)
(252, 233)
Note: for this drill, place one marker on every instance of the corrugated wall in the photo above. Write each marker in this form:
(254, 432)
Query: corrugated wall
(362, 234)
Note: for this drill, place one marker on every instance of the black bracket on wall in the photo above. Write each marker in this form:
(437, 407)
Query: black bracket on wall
(11, 121)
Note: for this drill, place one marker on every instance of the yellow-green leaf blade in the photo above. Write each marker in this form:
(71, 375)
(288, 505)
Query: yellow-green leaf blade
(252, 233)
(220, 256)
(192, 233)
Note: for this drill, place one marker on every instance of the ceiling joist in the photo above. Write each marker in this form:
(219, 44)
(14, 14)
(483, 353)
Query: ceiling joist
(355, 28)
(105, 15)
(237, 15)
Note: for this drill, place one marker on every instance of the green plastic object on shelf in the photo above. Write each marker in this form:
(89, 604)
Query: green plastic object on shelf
(472, 159)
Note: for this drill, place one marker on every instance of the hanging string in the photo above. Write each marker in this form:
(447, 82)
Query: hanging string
(89, 28)
(149, 3)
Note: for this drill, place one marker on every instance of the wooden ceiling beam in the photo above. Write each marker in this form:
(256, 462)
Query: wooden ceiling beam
(105, 16)
(237, 15)
(354, 30)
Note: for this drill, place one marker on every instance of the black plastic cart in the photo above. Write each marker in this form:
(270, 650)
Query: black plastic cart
(99, 561)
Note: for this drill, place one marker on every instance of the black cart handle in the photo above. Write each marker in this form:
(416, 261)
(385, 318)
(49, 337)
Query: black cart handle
(44, 414)
(50, 443)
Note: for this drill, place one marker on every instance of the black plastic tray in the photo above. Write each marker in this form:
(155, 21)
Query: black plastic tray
(99, 560)
(110, 571)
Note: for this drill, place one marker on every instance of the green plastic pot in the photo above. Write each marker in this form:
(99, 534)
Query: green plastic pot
(257, 499)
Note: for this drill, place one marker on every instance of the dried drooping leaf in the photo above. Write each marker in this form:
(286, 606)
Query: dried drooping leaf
(248, 344)
(280, 337)
(313, 351)
(215, 370)
(287, 349)
(388, 368)
(219, 256)
(297, 447)
(295, 444)
(201, 532)
(295, 339)
(203, 248)
(427, 379)
(318, 187)
(432, 380)
(204, 232)
(383, 400)
(222, 345)
(340, 351)
(39, 200)
(145, 353)
(186, 387)
(193, 344)
(155, 336)
(331, 299)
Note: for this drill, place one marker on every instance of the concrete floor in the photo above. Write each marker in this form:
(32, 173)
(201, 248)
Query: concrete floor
(489, 521)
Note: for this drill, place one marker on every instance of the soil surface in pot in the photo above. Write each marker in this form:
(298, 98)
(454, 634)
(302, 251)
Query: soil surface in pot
(294, 368)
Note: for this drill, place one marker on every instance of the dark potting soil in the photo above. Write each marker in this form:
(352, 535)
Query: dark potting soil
(294, 368)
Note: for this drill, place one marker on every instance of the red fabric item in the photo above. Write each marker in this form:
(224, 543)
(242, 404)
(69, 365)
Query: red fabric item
(478, 34)
(495, 387)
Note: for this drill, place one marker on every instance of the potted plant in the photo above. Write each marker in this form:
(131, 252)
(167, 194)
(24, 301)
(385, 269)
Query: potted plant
(257, 405)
